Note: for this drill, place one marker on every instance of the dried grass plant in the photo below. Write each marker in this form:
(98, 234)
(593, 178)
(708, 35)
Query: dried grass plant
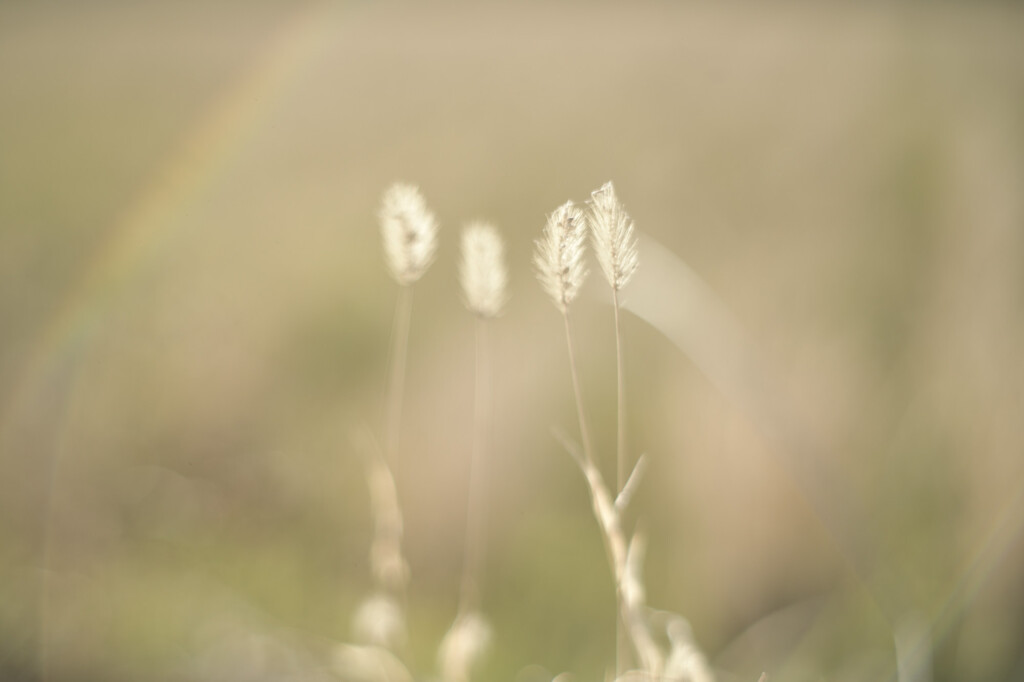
(660, 643)
(560, 269)
(611, 231)
(484, 281)
(409, 235)
(409, 231)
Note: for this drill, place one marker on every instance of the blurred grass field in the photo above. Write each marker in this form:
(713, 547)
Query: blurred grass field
(195, 315)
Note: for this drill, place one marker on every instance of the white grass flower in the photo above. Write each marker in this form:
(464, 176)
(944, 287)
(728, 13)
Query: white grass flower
(379, 621)
(482, 270)
(409, 230)
(559, 254)
(462, 647)
(612, 234)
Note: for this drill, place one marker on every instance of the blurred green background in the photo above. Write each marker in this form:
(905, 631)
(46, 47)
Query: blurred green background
(195, 314)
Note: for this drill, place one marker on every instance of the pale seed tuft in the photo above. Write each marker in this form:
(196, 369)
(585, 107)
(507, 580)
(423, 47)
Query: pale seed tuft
(559, 254)
(482, 271)
(611, 230)
(409, 230)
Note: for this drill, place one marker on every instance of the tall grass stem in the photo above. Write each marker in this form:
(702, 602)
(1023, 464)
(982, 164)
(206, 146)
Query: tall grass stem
(588, 450)
(469, 597)
(621, 642)
(396, 383)
(588, 453)
(621, 464)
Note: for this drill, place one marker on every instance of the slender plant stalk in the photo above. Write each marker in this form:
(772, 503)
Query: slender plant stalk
(621, 642)
(620, 469)
(409, 235)
(625, 571)
(396, 384)
(615, 248)
(588, 451)
(470, 592)
(396, 393)
(396, 387)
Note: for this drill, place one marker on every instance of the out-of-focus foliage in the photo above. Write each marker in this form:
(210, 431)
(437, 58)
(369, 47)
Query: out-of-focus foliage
(195, 314)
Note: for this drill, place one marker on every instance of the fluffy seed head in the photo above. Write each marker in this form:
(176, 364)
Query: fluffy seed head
(612, 233)
(559, 254)
(482, 270)
(409, 230)
(380, 622)
(463, 646)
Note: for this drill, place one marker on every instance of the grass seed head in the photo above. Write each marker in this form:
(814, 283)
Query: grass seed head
(380, 621)
(463, 646)
(482, 271)
(611, 230)
(559, 254)
(409, 230)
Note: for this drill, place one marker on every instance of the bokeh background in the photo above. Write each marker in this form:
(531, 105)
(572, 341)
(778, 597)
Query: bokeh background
(195, 315)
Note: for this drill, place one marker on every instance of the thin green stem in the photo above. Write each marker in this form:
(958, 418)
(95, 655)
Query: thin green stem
(396, 393)
(396, 384)
(621, 643)
(588, 450)
(620, 478)
(588, 453)
(469, 598)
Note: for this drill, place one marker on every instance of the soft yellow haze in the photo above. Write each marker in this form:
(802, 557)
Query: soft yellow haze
(823, 341)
